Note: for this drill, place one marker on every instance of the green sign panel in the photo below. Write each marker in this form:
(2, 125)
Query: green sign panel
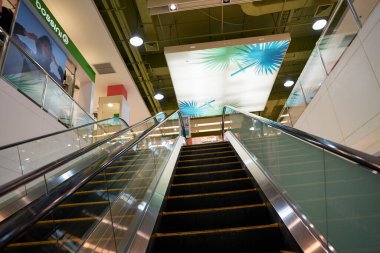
(61, 34)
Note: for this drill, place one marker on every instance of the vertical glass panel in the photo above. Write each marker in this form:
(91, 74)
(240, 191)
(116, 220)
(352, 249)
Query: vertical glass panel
(353, 206)
(80, 117)
(338, 36)
(58, 103)
(313, 75)
(295, 104)
(23, 74)
(296, 167)
(364, 8)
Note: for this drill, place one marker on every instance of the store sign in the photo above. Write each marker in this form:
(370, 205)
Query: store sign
(53, 23)
(48, 17)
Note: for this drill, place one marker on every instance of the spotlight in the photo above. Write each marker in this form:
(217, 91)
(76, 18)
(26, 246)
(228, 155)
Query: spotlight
(288, 83)
(319, 24)
(173, 7)
(158, 96)
(136, 41)
(226, 1)
(110, 105)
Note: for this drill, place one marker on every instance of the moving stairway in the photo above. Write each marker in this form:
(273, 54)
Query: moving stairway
(155, 194)
(212, 205)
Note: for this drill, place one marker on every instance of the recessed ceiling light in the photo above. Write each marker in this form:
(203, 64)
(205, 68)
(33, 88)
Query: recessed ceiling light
(158, 96)
(226, 1)
(136, 41)
(319, 24)
(288, 83)
(110, 105)
(173, 7)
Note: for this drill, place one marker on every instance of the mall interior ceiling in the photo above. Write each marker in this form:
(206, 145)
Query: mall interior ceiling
(198, 21)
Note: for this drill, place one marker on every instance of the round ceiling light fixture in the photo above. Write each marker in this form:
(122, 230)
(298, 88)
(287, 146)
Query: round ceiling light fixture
(110, 105)
(173, 7)
(158, 96)
(288, 83)
(319, 24)
(136, 41)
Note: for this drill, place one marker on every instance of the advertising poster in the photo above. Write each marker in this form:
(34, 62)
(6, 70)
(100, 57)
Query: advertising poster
(33, 38)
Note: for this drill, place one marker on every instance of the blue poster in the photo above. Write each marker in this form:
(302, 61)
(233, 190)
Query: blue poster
(30, 35)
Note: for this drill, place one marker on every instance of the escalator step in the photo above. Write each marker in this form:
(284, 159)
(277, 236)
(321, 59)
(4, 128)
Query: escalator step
(212, 200)
(211, 186)
(205, 150)
(197, 156)
(208, 176)
(215, 218)
(207, 167)
(208, 160)
(208, 145)
(263, 238)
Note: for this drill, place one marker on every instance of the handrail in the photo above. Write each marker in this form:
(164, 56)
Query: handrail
(55, 133)
(369, 161)
(26, 178)
(28, 216)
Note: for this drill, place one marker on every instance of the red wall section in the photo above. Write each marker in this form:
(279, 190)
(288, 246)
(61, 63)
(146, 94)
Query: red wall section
(117, 89)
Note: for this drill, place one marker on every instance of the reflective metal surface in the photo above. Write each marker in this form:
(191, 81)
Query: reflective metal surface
(141, 239)
(308, 239)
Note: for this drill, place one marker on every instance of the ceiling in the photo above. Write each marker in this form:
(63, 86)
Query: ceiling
(198, 21)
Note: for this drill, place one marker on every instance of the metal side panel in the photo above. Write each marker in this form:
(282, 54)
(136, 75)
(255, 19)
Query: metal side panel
(308, 239)
(141, 240)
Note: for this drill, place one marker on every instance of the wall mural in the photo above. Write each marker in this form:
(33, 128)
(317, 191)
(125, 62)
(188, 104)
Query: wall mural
(241, 75)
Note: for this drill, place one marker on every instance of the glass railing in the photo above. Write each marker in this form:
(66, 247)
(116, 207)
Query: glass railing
(26, 156)
(113, 183)
(335, 195)
(28, 77)
(335, 39)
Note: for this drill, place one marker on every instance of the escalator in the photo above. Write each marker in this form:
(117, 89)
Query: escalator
(212, 205)
(64, 228)
(265, 188)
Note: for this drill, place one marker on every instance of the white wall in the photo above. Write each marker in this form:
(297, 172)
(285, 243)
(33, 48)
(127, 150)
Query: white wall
(84, 96)
(347, 107)
(20, 118)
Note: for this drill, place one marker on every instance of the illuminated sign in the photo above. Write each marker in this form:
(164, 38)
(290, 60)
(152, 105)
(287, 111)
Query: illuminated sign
(239, 72)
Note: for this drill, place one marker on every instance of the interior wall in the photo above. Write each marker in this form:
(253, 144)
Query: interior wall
(20, 118)
(347, 107)
(84, 96)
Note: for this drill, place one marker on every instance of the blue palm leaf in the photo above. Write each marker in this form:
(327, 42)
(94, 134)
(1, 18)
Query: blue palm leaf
(266, 58)
(190, 108)
(219, 59)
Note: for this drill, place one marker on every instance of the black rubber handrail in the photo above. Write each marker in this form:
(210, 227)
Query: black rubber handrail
(26, 178)
(26, 217)
(55, 133)
(369, 161)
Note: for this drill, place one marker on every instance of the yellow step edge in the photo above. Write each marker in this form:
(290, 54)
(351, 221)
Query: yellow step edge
(210, 194)
(79, 219)
(83, 204)
(201, 149)
(213, 182)
(223, 152)
(208, 172)
(204, 165)
(216, 209)
(207, 144)
(213, 231)
(110, 190)
(118, 180)
(127, 165)
(205, 159)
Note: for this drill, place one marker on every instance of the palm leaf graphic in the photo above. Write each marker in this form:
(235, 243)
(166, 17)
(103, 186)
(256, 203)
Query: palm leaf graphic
(190, 108)
(219, 59)
(265, 58)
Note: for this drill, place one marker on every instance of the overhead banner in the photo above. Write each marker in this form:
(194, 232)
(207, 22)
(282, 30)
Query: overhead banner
(240, 73)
